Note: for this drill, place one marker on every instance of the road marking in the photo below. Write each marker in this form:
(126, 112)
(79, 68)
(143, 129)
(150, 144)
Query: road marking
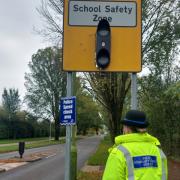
(50, 156)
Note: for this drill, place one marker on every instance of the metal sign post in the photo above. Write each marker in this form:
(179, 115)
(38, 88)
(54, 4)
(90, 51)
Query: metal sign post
(68, 132)
(133, 91)
(82, 17)
(68, 118)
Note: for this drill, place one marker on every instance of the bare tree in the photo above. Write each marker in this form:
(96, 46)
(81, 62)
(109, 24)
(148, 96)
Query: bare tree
(51, 12)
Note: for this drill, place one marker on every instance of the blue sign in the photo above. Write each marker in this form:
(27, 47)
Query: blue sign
(68, 111)
(145, 161)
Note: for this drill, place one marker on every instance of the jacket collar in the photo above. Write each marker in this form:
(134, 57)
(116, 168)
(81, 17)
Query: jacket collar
(136, 137)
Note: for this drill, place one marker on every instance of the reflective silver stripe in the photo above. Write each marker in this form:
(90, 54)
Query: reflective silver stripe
(129, 162)
(163, 158)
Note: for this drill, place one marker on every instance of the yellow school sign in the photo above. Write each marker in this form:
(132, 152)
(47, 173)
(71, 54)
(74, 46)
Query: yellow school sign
(80, 24)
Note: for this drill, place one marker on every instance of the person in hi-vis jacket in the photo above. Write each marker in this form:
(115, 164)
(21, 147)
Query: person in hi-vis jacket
(136, 154)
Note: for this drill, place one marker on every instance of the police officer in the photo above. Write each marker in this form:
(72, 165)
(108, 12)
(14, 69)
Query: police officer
(136, 155)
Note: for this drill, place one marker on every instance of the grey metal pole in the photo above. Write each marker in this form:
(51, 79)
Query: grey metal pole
(134, 91)
(68, 132)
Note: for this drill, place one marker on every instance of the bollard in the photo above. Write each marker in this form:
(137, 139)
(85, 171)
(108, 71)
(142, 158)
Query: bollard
(21, 148)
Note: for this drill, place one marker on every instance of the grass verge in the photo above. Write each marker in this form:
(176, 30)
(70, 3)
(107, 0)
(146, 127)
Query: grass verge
(98, 158)
(34, 144)
(89, 176)
(101, 154)
(9, 141)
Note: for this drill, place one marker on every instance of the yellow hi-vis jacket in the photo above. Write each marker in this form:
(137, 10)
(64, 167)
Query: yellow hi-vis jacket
(136, 156)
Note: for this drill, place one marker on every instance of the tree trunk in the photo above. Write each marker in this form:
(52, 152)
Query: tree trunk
(57, 129)
(115, 126)
(116, 106)
(57, 124)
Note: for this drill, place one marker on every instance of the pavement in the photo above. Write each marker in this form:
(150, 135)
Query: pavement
(14, 162)
(8, 166)
(51, 166)
(52, 163)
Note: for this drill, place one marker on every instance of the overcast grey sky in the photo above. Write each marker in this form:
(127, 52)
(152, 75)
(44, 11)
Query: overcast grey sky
(17, 41)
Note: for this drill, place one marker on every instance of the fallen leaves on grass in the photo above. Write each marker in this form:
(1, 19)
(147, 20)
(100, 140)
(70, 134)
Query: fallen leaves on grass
(90, 176)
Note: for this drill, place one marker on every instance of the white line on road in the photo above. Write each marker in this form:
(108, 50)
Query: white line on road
(51, 156)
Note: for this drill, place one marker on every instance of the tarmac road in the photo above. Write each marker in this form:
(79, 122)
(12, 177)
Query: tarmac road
(51, 168)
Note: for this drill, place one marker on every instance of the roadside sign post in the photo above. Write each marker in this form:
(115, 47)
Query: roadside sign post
(68, 118)
(121, 46)
(134, 91)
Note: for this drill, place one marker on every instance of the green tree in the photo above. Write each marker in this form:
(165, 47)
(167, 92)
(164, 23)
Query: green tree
(3, 124)
(161, 103)
(11, 101)
(45, 84)
(163, 65)
(171, 105)
(87, 114)
(87, 109)
(11, 105)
